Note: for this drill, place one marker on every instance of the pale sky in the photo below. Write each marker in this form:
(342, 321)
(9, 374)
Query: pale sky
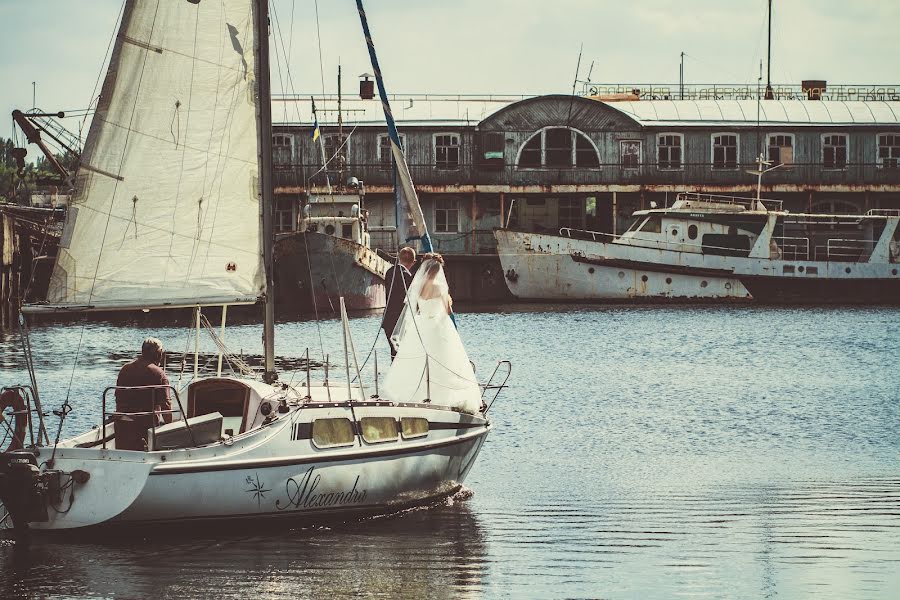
(486, 46)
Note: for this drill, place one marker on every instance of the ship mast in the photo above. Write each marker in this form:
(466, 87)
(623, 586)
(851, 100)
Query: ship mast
(267, 201)
(770, 95)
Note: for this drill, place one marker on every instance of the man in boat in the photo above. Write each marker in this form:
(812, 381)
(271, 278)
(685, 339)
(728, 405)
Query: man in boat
(145, 370)
(397, 280)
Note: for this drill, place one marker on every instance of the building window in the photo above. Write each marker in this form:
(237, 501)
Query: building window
(669, 151)
(570, 212)
(446, 151)
(337, 148)
(630, 154)
(531, 153)
(558, 147)
(282, 150)
(834, 151)
(724, 151)
(446, 215)
(284, 215)
(889, 150)
(385, 155)
(781, 149)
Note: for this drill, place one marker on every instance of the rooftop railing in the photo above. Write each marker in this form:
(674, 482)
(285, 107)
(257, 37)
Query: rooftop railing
(742, 91)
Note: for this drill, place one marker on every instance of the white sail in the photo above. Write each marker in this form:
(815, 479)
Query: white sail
(167, 208)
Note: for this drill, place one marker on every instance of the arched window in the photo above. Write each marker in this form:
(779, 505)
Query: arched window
(558, 147)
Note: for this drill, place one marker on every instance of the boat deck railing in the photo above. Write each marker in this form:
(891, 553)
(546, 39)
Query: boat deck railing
(883, 212)
(791, 247)
(117, 415)
(775, 205)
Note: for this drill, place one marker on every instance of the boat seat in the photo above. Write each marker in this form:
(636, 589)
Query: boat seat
(205, 429)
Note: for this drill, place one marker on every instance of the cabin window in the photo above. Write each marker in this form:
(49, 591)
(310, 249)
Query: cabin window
(284, 215)
(834, 151)
(446, 150)
(328, 433)
(337, 148)
(378, 429)
(630, 154)
(781, 149)
(413, 427)
(725, 151)
(889, 151)
(692, 232)
(446, 215)
(385, 153)
(558, 147)
(347, 231)
(653, 224)
(282, 149)
(669, 151)
(570, 212)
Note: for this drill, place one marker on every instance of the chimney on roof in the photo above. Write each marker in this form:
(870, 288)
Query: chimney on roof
(814, 88)
(366, 87)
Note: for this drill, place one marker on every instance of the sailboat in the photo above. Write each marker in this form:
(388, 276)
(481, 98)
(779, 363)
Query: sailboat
(177, 160)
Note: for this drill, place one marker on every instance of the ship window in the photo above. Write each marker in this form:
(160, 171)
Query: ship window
(378, 429)
(781, 149)
(385, 152)
(787, 269)
(669, 150)
(692, 232)
(413, 427)
(834, 151)
(328, 433)
(585, 155)
(329, 229)
(347, 230)
(446, 215)
(446, 151)
(653, 224)
(630, 154)
(725, 151)
(812, 270)
(889, 151)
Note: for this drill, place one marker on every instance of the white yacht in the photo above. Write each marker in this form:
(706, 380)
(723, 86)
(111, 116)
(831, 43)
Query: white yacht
(714, 247)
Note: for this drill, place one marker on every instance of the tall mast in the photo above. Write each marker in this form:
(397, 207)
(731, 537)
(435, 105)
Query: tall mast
(770, 95)
(392, 130)
(264, 123)
(342, 153)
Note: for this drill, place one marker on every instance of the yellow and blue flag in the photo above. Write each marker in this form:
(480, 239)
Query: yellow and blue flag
(315, 132)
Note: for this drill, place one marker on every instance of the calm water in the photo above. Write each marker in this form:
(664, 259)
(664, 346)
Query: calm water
(641, 452)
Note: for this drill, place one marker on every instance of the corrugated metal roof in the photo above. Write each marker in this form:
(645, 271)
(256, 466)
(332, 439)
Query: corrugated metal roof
(409, 109)
(685, 113)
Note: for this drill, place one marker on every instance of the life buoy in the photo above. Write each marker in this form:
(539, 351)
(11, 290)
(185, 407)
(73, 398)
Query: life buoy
(13, 399)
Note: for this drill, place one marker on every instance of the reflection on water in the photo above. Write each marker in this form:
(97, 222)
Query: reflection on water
(640, 452)
(433, 553)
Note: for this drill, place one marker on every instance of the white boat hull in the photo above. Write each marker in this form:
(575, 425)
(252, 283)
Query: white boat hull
(275, 471)
(552, 267)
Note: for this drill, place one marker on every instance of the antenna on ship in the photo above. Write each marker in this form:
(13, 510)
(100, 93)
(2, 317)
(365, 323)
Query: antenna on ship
(770, 95)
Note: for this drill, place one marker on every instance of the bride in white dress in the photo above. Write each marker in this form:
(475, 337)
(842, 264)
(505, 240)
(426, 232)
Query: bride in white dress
(425, 329)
